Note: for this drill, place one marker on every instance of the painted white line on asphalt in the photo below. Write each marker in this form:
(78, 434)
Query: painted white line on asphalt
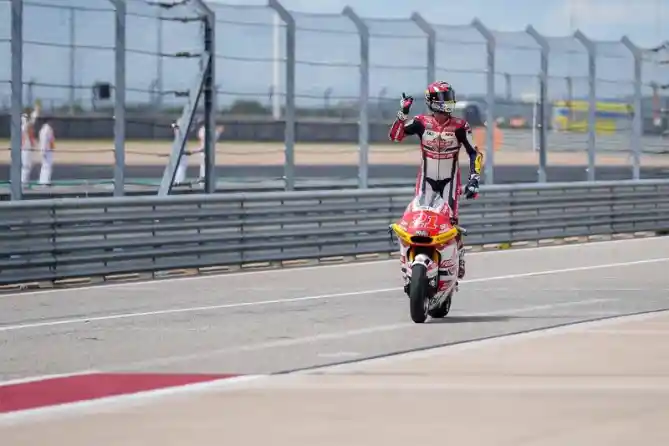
(45, 377)
(568, 270)
(222, 276)
(205, 308)
(120, 316)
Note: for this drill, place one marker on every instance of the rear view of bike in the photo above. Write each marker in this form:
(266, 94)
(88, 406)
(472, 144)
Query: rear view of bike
(421, 296)
(428, 242)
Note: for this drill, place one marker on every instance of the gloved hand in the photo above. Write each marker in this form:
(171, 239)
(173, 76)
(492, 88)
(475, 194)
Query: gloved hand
(472, 188)
(405, 107)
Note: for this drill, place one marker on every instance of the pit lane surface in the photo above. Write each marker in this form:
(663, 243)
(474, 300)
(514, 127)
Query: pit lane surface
(273, 321)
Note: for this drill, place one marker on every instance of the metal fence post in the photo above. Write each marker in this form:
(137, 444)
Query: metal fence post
(656, 105)
(570, 97)
(289, 136)
(17, 97)
(204, 86)
(119, 96)
(509, 86)
(363, 123)
(425, 26)
(490, 82)
(543, 100)
(209, 93)
(73, 67)
(637, 123)
(592, 100)
(275, 88)
(160, 63)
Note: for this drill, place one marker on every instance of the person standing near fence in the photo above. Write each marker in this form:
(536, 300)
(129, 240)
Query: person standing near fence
(201, 136)
(28, 141)
(182, 165)
(47, 143)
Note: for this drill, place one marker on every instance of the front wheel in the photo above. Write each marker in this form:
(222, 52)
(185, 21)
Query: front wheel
(418, 299)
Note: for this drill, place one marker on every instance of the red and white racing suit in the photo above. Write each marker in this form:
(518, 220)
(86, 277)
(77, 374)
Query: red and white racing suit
(440, 144)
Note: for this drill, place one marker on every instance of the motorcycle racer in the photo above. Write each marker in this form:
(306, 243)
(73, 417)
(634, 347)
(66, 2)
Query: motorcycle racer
(441, 137)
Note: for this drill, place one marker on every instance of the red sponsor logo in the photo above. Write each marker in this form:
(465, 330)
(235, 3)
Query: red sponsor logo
(445, 264)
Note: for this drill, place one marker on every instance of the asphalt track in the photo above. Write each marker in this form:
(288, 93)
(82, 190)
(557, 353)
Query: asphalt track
(268, 322)
(503, 174)
(291, 321)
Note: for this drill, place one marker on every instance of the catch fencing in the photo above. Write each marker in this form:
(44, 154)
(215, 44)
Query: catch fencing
(70, 46)
(98, 69)
(296, 77)
(51, 240)
(370, 61)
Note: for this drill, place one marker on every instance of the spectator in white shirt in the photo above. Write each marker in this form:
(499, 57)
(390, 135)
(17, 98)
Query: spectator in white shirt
(28, 141)
(47, 144)
(201, 136)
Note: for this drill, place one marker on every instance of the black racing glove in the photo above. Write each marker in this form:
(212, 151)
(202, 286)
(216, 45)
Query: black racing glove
(405, 107)
(472, 189)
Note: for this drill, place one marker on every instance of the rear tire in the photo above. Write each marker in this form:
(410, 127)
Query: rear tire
(418, 301)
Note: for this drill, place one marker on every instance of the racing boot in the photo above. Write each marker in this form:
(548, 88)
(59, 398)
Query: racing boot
(405, 278)
(461, 256)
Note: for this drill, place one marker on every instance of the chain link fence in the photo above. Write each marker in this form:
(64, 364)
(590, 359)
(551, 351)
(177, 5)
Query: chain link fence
(250, 44)
(67, 48)
(99, 72)
(654, 68)
(5, 53)
(296, 79)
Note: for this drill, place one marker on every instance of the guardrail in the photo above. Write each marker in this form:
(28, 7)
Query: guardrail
(103, 189)
(49, 240)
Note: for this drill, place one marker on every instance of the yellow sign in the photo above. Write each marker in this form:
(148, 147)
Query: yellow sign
(573, 115)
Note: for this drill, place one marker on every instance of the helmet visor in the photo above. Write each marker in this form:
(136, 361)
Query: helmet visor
(442, 96)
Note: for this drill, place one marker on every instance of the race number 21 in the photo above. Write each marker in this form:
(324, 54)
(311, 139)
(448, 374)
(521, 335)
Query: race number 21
(425, 221)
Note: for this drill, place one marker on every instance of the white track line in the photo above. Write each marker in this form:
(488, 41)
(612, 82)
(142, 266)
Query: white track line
(30, 379)
(75, 321)
(110, 317)
(221, 276)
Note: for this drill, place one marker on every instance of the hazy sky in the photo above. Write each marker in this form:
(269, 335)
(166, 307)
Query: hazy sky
(644, 21)
(328, 47)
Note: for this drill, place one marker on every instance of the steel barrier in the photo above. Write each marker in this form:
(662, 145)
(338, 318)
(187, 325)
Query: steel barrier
(105, 189)
(49, 240)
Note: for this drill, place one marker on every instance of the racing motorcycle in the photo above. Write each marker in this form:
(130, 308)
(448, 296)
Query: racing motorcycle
(428, 247)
